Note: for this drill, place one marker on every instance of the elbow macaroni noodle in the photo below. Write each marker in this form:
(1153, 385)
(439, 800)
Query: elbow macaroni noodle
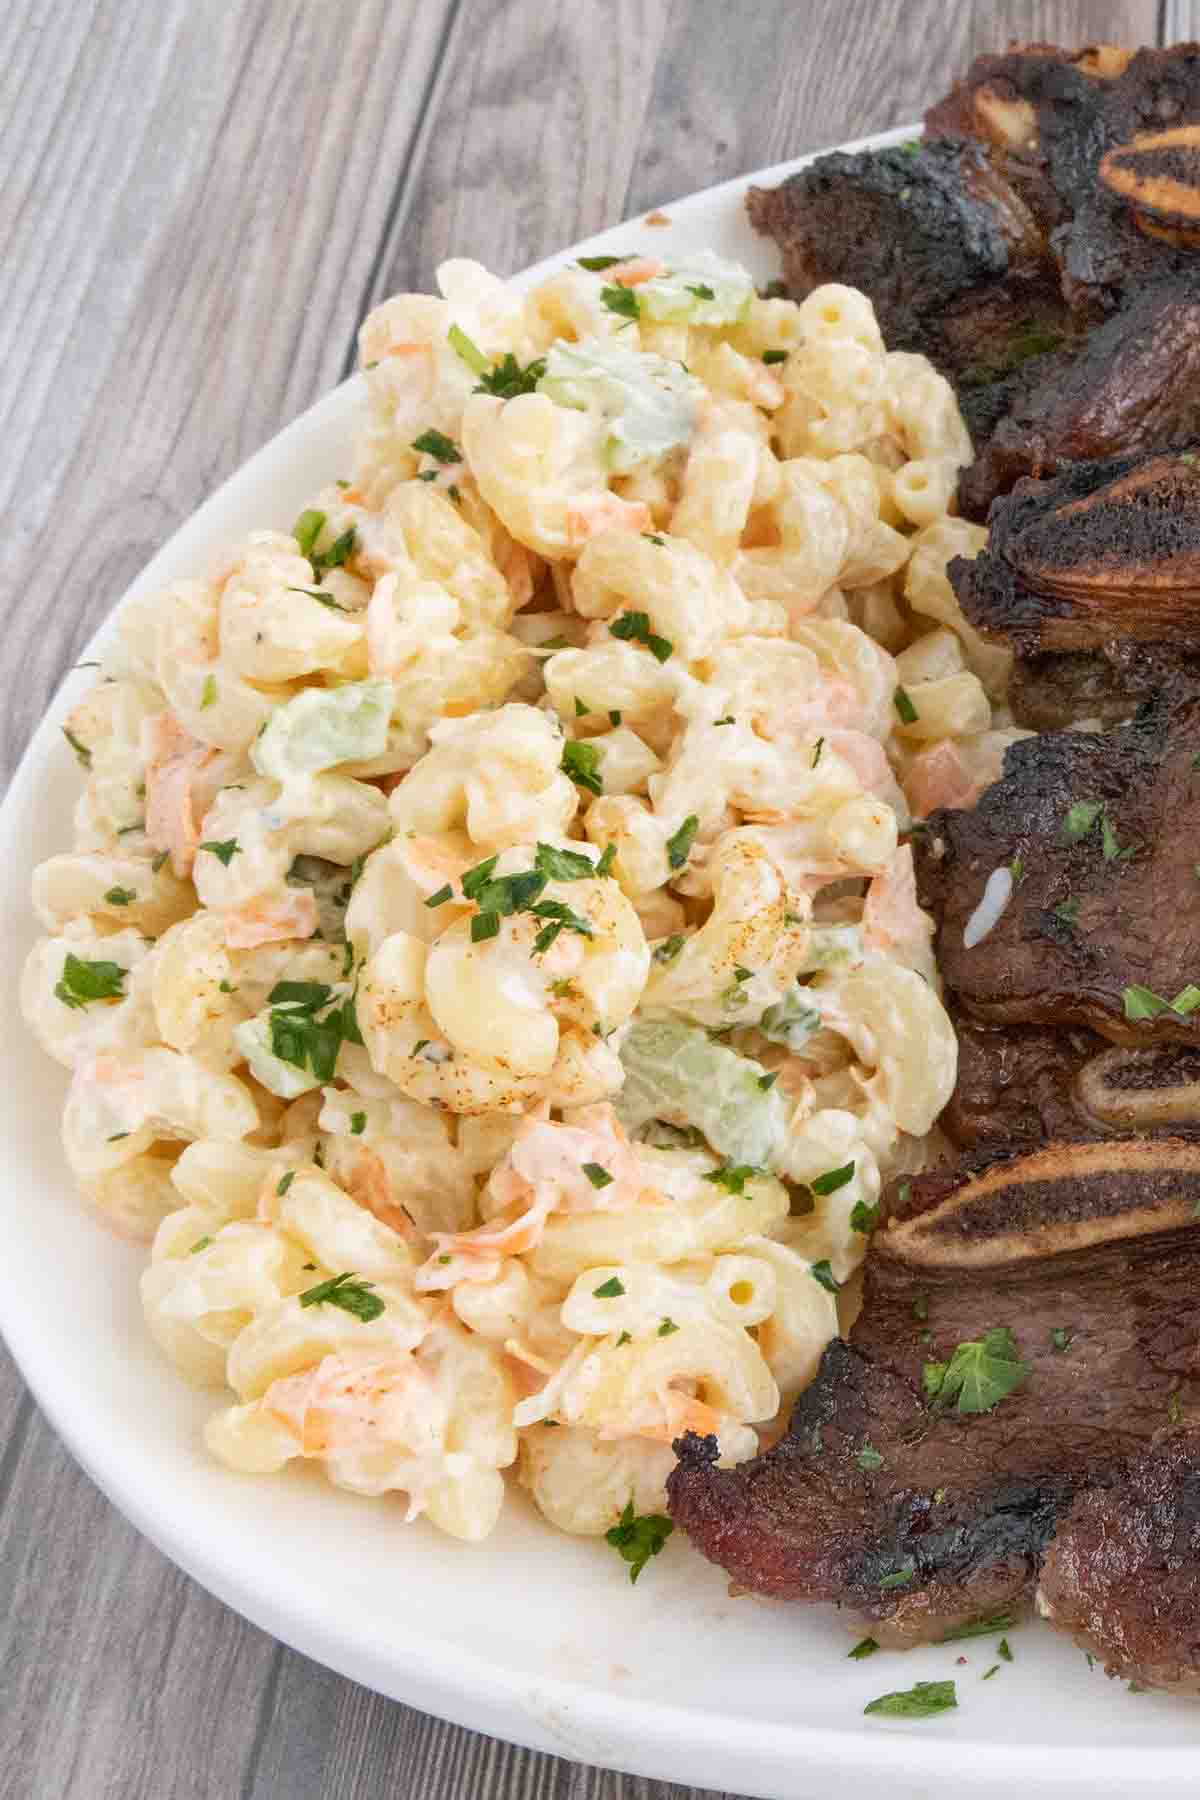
(562, 730)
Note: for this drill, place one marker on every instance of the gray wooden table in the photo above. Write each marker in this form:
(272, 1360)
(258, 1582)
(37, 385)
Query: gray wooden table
(199, 200)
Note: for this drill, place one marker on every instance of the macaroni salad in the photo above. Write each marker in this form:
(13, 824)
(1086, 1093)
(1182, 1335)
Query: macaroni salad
(489, 965)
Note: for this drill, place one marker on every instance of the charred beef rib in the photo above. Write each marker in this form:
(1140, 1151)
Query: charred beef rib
(956, 266)
(1102, 927)
(1104, 550)
(1051, 190)
(1134, 386)
(1023, 1084)
(1083, 1263)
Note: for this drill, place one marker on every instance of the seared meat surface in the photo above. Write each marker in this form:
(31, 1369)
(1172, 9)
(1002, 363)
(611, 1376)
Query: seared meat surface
(1122, 1573)
(1050, 117)
(1104, 828)
(1103, 551)
(955, 264)
(1051, 689)
(1134, 386)
(1016, 1084)
(921, 1516)
(1023, 1084)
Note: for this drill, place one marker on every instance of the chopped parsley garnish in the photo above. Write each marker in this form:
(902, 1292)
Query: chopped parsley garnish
(307, 530)
(869, 1458)
(1002, 1621)
(507, 894)
(614, 717)
(1016, 868)
(1060, 1338)
(727, 720)
(920, 1701)
(732, 1177)
(612, 1289)
(652, 537)
(581, 761)
(1003, 1651)
(679, 844)
(824, 1276)
(905, 709)
(317, 594)
(440, 898)
(979, 1374)
(358, 1123)
(833, 1179)
(224, 850)
(1144, 1003)
(581, 710)
(623, 1339)
(621, 300)
(348, 1292)
(561, 918)
(82, 982)
(562, 865)
(119, 896)
(285, 1182)
(639, 1538)
(337, 553)
(208, 693)
(667, 1327)
(505, 378)
(438, 445)
(596, 264)
(484, 926)
(634, 628)
(988, 1673)
(476, 879)
(767, 1082)
(308, 1026)
(1080, 819)
(864, 1648)
(597, 1174)
(864, 1218)
(701, 290)
(817, 749)
(607, 859)
(899, 1577)
(82, 754)
(669, 949)
(774, 356)
(201, 1243)
(159, 860)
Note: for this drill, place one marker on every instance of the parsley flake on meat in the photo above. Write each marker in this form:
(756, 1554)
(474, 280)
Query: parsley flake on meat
(438, 445)
(224, 850)
(622, 301)
(980, 1374)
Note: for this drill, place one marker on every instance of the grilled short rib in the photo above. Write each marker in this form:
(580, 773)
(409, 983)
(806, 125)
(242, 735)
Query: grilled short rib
(1103, 830)
(1133, 386)
(1122, 1573)
(1043, 204)
(1023, 1084)
(919, 1517)
(1106, 549)
(955, 264)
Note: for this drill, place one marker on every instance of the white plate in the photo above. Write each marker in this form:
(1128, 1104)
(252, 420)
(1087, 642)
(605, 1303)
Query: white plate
(531, 1636)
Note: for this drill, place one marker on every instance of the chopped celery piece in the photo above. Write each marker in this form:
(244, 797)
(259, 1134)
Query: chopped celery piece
(322, 727)
(707, 289)
(651, 405)
(792, 1020)
(676, 1073)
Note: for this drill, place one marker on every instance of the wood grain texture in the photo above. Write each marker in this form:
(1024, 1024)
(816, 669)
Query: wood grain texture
(199, 200)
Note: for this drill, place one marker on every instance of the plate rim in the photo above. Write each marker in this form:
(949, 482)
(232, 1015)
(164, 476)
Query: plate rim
(651, 1738)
